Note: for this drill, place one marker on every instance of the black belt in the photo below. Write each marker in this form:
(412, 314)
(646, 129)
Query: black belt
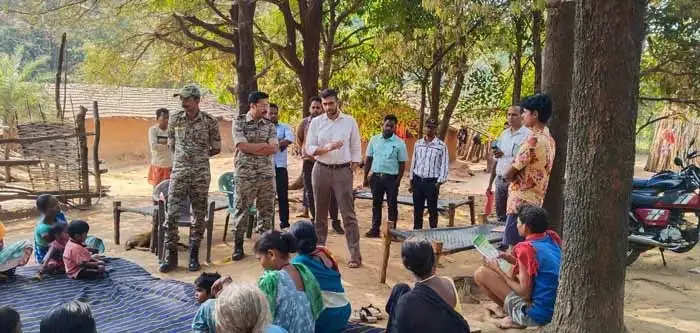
(334, 166)
(379, 174)
(424, 180)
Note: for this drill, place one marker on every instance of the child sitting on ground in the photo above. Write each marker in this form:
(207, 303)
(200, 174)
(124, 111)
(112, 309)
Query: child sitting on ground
(50, 214)
(203, 321)
(526, 297)
(76, 257)
(53, 261)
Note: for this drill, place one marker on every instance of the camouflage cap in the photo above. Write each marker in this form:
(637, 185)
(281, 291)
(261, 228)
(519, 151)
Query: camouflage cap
(189, 90)
(431, 122)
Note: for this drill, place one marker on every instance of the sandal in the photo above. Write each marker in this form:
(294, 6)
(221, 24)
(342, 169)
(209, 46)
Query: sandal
(374, 311)
(354, 264)
(362, 316)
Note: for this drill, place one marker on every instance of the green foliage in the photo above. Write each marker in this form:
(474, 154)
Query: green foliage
(19, 89)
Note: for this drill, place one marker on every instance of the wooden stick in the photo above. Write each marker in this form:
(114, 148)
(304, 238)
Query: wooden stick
(210, 229)
(41, 138)
(471, 209)
(387, 249)
(116, 214)
(451, 214)
(9, 163)
(437, 247)
(82, 145)
(96, 148)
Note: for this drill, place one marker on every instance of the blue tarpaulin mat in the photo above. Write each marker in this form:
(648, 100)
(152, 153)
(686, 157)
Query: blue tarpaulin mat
(129, 299)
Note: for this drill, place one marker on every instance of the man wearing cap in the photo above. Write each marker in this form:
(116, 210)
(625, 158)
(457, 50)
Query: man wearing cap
(255, 139)
(193, 137)
(429, 167)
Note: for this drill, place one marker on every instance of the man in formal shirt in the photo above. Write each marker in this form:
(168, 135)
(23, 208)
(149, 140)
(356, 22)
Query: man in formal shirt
(386, 160)
(429, 167)
(334, 140)
(504, 151)
(316, 109)
(284, 139)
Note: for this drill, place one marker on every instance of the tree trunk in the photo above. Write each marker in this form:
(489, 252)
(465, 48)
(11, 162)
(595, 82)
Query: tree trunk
(537, 47)
(559, 64)
(245, 64)
(311, 23)
(451, 105)
(423, 93)
(600, 165)
(517, 59)
(435, 81)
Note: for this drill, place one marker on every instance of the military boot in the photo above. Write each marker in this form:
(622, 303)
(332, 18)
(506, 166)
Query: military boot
(194, 257)
(169, 262)
(238, 250)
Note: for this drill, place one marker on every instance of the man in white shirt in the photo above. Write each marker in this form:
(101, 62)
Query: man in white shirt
(504, 151)
(428, 172)
(334, 140)
(161, 157)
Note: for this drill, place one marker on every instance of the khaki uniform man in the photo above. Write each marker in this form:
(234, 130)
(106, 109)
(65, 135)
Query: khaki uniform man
(193, 137)
(255, 139)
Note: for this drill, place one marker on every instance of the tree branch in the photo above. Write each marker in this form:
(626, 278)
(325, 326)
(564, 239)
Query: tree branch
(347, 47)
(201, 39)
(649, 122)
(218, 12)
(346, 38)
(46, 11)
(211, 27)
(670, 99)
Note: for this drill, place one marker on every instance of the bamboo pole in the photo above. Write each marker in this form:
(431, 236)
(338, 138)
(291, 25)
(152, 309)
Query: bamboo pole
(82, 145)
(96, 148)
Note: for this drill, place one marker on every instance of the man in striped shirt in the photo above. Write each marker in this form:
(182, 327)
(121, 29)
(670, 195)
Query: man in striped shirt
(428, 171)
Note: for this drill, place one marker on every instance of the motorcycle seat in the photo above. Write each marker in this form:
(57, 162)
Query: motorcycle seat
(643, 200)
(661, 184)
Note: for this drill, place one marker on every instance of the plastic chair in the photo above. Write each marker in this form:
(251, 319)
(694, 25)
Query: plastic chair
(227, 186)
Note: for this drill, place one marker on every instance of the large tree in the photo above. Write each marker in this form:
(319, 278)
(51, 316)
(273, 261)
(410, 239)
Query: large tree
(556, 78)
(600, 165)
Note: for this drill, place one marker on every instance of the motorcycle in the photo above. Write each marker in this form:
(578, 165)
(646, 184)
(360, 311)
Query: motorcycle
(659, 208)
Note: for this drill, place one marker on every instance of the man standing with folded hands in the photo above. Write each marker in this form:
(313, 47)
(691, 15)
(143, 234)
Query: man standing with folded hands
(386, 159)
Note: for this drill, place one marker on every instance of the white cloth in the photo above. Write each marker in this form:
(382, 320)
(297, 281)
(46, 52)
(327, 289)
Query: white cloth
(158, 142)
(430, 160)
(323, 131)
(509, 143)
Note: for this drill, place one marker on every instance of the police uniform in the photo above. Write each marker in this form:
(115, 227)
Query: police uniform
(192, 142)
(255, 174)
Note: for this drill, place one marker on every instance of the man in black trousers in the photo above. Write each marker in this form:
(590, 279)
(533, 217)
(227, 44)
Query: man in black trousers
(428, 171)
(386, 159)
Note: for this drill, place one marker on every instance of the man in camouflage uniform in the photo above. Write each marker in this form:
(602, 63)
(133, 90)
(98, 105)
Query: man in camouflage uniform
(193, 137)
(255, 139)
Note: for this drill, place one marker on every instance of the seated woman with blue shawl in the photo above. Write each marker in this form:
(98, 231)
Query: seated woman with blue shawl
(291, 289)
(320, 262)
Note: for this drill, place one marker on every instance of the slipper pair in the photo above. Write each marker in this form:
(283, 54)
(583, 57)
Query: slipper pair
(368, 314)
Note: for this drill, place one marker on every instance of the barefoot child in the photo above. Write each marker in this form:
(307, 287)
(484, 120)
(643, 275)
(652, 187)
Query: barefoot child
(50, 214)
(53, 261)
(203, 321)
(526, 295)
(76, 257)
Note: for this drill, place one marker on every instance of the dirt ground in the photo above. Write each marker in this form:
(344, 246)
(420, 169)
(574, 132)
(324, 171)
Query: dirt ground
(657, 298)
